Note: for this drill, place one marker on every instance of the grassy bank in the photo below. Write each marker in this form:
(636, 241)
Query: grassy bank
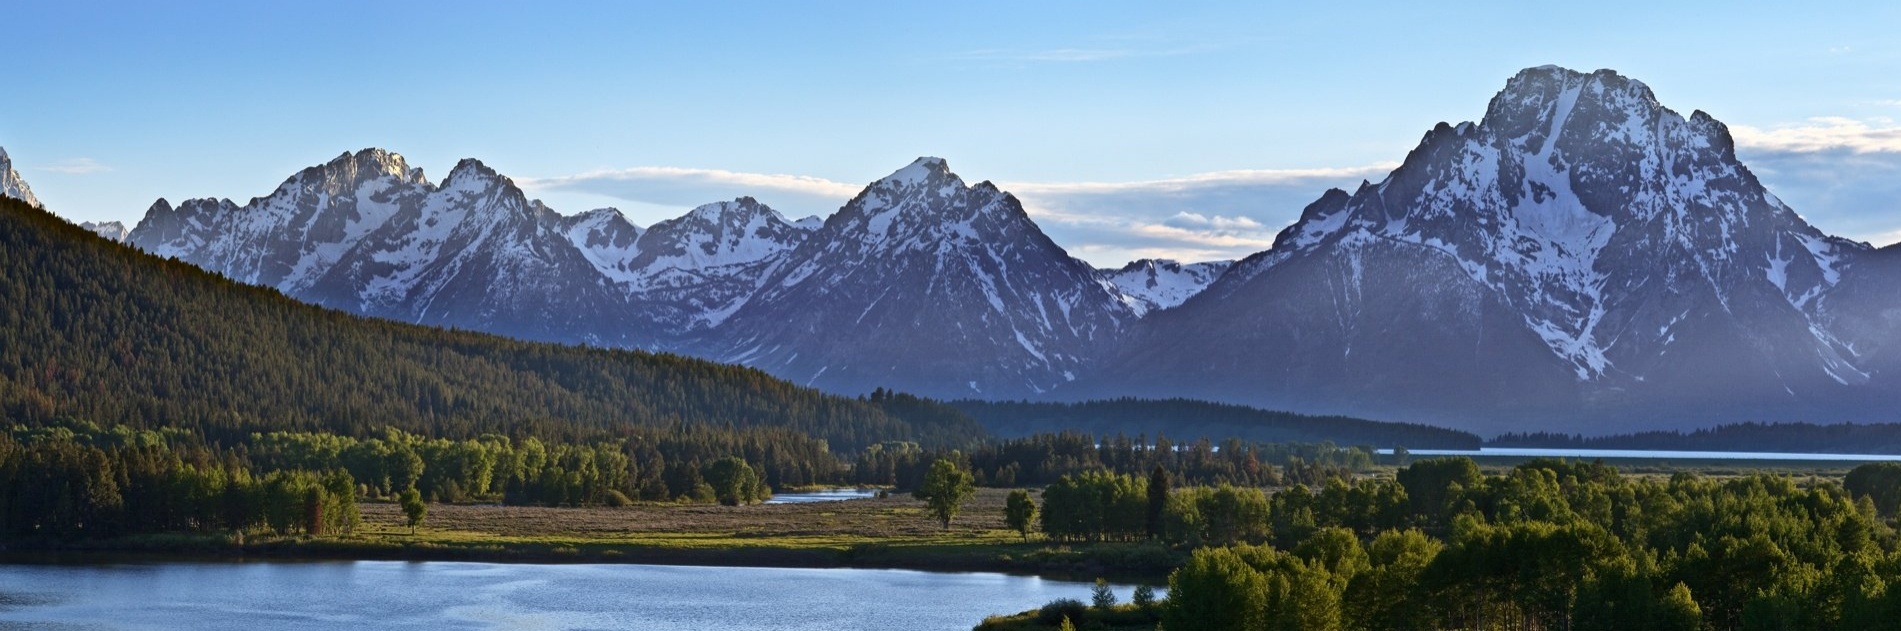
(1050, 617)
(889, 532)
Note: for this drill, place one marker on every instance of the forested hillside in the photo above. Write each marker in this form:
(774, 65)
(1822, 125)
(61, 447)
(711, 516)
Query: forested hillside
(1183, 418)
(94, 330)
(1839, 438)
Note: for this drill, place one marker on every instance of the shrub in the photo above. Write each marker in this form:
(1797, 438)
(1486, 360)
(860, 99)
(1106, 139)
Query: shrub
(1061, 609)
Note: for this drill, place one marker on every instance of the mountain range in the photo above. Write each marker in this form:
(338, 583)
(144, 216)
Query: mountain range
(1580, 259)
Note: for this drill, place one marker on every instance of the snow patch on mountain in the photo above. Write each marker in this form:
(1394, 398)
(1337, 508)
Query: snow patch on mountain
(1149, 285)
(111, 230)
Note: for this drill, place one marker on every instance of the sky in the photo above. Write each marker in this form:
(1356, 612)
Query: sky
(1183, 130)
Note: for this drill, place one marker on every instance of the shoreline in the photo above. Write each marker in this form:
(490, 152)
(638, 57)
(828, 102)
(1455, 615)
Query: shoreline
(1141, 563)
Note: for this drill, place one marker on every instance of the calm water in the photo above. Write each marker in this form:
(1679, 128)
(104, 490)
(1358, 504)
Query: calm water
(826, 495)
(1646, 454)
(438, 595)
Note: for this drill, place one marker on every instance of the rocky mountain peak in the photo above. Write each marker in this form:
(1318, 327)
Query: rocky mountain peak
(470, 173)
(923, 169)
(109, 230)
(11, 184)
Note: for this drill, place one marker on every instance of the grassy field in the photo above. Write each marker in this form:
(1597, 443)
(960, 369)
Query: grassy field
(893, 532)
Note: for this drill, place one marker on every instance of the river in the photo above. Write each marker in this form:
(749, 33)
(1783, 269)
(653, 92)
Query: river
(448, 595)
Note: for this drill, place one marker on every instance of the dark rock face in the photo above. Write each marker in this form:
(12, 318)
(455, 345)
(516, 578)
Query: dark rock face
(1583, 255)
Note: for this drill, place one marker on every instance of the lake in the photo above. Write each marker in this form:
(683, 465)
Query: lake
(446, 595)
(1591, 454)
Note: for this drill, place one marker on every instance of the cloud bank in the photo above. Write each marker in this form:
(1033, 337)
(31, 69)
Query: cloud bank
(1220, 215)
(794, 195)
(1842, 174)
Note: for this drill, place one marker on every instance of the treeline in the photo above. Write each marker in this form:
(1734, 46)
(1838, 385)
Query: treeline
(77, 480)
(1549, 545)
(1839, 438)
(681, 463)
(1043, 459)
(96, 330)
(1101, 506)
(62, 486)
(1201, 418)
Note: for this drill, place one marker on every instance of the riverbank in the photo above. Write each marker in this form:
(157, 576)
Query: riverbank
(872, 533)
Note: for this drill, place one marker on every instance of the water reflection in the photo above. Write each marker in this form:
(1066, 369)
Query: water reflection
(441, 595)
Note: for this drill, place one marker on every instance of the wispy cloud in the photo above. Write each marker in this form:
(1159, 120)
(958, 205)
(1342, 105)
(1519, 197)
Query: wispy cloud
(1204, 181)
(77, 166)
(687, 187)
(1842, 174)
(1825, 134)
(1216, 223)
(1215, 215)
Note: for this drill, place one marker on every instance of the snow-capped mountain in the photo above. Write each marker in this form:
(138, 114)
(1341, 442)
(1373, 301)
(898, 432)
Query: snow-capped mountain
(918, 256)
(694, 271)
(112, 230)
(475, 252)
(11, 184)
(930, 285)
(292, 237)
(1582, 256)
(368, 234)
(1154, 284)
(1582, 252)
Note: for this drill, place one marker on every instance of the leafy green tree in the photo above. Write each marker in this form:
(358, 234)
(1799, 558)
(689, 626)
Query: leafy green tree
(1216, 591)
(1880, 481)
(1429, 484)
(1678, 611)
(1384, 596)
(734, 481)
(1019, 512)
(413, 507)
(945, 489)
(1234, 515)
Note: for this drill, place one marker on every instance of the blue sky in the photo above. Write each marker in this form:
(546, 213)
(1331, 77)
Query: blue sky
(1129, 129)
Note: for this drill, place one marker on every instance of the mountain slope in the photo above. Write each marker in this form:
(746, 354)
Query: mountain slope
(103, 332)
(475, 253)
(1156, 284)
(692, 272)
(930, 285)
(1582, 254)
